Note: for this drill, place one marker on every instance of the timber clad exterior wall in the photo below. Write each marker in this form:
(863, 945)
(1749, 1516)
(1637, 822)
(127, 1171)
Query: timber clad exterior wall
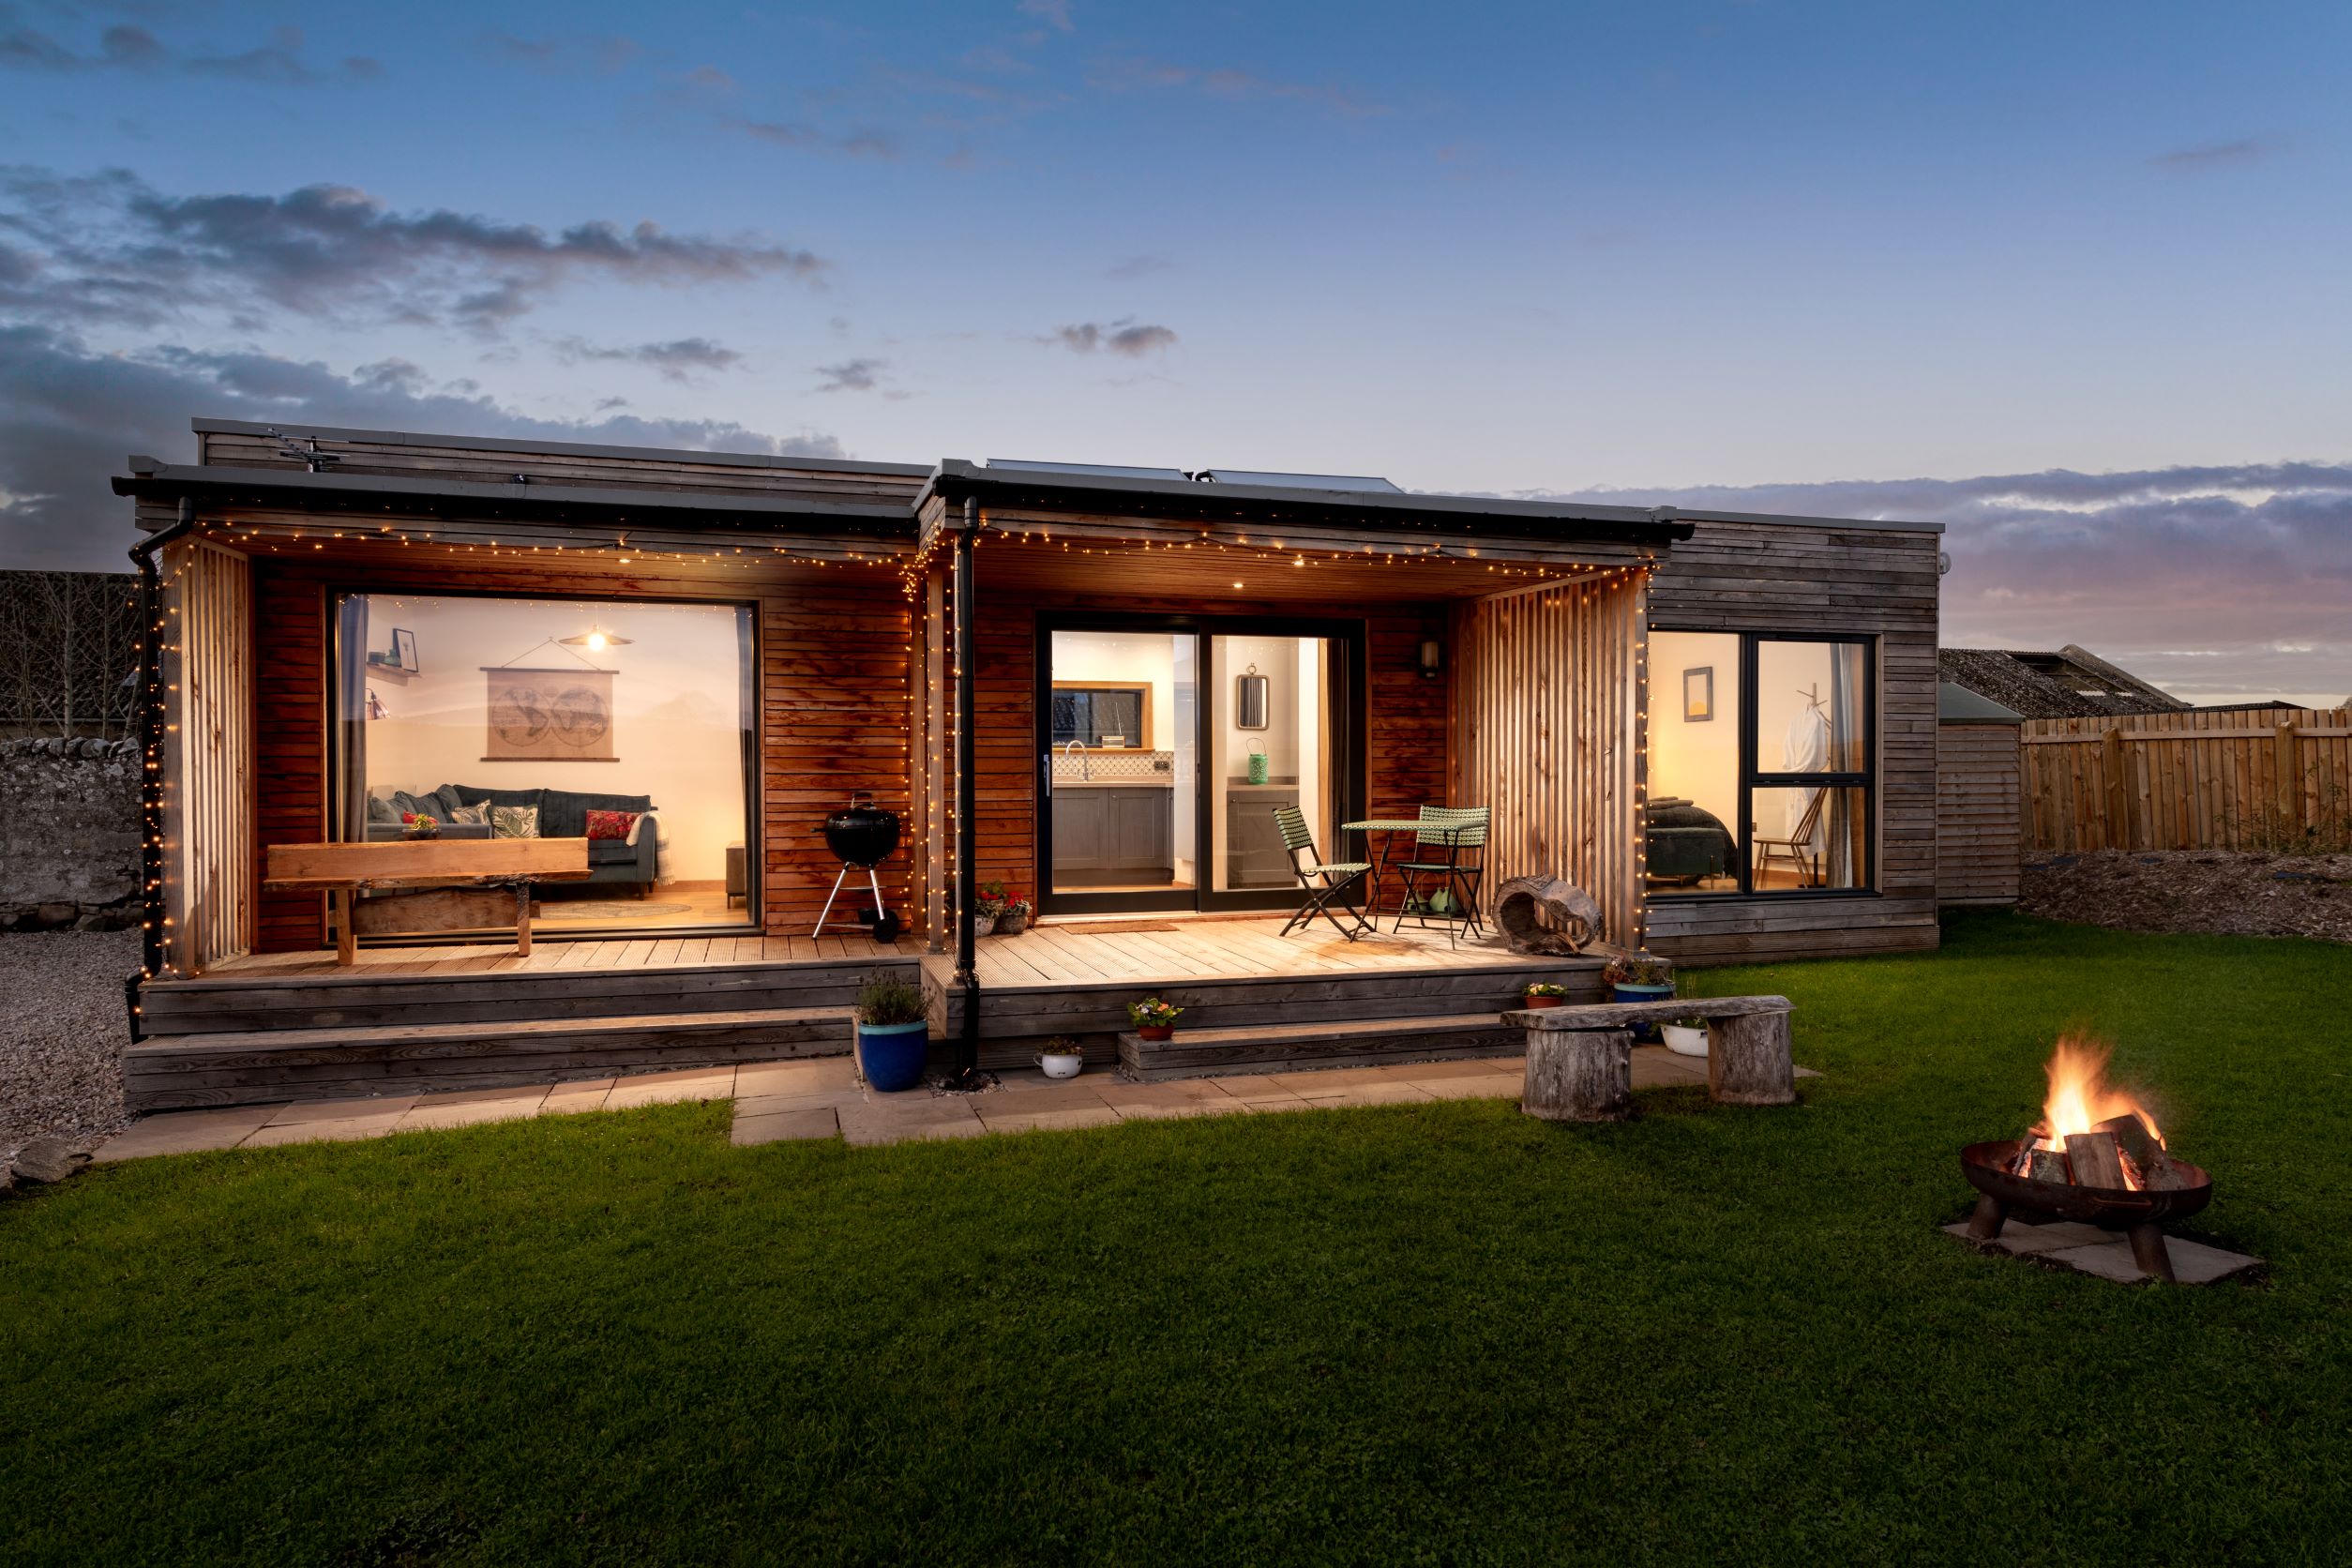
(208, 755)
(1977, 822)
(1801, 579)
(289, 747)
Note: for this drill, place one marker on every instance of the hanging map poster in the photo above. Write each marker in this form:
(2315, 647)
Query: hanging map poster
(550, 716)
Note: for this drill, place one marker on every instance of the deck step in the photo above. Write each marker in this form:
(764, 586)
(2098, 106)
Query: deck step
(259, 1066)
(239, 1001)
(1344, 1043)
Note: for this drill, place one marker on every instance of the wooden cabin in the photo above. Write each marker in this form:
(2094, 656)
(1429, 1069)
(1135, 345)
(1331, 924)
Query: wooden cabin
(1091, 685)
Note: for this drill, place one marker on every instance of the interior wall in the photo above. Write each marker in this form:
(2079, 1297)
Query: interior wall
(677, 721)
(1699, 760)
(1124, 658)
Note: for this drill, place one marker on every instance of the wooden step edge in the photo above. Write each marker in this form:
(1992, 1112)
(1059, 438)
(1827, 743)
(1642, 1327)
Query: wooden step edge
(358, 975)
(1329, 1029)
(167, 1046)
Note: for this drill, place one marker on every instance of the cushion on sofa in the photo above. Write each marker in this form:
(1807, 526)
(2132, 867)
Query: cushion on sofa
(610, 824)
(564, 813)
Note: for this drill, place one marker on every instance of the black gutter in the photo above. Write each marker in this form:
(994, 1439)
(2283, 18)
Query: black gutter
(967, 1074)
(1406, 514)
(151, 715)
(389, 495)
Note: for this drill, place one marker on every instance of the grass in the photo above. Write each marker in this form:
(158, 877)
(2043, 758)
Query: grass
(1443, 1333)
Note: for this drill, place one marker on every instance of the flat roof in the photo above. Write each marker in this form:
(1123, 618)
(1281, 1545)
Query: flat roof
(1956, 704)
(575, 448)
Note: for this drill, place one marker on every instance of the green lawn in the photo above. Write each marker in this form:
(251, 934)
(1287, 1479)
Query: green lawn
(1440, 1333)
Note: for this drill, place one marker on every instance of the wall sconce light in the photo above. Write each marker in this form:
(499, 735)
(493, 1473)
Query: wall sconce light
(1432, 660)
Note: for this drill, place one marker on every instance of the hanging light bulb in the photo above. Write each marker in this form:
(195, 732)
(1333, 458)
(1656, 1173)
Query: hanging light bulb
(597, 638)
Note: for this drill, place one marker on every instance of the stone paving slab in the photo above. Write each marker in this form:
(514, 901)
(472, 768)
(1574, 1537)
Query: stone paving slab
(341, 1110)
(2106, 1254)
(186, 1131)
(784, 1126)
(350, 1129)
(571, 1098)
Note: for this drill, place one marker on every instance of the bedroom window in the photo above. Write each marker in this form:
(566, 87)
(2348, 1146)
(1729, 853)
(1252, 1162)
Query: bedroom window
(1761, 763)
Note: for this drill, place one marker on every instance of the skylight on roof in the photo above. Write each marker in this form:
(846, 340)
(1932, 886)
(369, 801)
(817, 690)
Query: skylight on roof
(1299, 481)
(1089, 470)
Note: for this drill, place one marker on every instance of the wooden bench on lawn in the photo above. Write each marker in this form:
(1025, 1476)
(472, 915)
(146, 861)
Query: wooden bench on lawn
(1581, 1060)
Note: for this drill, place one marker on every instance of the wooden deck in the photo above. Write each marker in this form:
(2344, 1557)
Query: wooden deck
(407, 1020)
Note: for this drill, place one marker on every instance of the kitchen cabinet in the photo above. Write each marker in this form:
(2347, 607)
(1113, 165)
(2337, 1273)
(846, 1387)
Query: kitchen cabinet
(1113, 832)
(1254, 855)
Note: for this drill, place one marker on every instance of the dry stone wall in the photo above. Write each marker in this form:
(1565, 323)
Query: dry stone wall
(69, 835)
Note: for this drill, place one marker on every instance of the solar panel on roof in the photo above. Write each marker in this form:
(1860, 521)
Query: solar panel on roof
(1301, 481)
(1091, 470)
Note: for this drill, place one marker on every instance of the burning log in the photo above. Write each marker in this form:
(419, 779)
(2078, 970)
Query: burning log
(2145, 1152)
(2046, 1165)
(2096, 1160)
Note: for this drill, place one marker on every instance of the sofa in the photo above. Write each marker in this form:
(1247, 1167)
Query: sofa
(1687, 843)
(563, 814)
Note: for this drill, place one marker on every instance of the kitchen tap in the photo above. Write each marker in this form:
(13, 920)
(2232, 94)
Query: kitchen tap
(1086, 767)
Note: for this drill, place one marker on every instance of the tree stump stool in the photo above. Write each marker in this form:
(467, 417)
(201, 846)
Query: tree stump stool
(1748, 1061)
(1580, 1077)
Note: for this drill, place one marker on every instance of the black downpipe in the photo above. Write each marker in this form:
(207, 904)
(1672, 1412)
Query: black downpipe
(967, 796)
(151, 709)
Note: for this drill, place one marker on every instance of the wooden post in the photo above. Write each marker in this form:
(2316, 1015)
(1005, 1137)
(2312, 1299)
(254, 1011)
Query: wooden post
(2290, 782)
(340, 901)
(522, 917)
(1579, 1077)
(1748, 1061)
(2114, 758)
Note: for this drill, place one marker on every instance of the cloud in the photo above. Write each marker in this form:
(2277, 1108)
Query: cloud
(677, 360)
(1126, 336)
(802, 137)
(1235, 85)
(1127, 269)
(129, 46)
(69, 414)
(1053, 13)
(2211, 155)
(599, 53)
(852, 375)
(108, 248)
(2247, 562)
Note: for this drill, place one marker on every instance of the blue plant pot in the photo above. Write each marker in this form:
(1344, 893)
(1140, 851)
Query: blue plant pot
(1645, 1032)
(892, 1054)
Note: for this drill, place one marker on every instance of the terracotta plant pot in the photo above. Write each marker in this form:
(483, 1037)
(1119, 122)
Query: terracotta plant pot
(1542, 1000)
(1158, 1031)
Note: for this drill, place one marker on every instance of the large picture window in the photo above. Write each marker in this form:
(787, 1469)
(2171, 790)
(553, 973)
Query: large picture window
(622, 723)
(1762, 762)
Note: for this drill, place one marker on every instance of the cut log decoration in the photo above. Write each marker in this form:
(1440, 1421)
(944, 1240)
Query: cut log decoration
(1580, 1075)
(1749, 1060)
(1546, 915)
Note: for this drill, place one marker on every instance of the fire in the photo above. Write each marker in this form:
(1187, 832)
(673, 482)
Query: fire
(2079, 1097)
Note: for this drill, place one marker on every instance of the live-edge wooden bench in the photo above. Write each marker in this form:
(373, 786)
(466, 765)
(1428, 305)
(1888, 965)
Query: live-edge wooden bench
(463, 873)
(1581, 1060)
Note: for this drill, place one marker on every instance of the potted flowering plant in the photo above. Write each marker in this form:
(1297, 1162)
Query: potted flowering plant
(1013, 919)
(1685, 1037)
(1639, 977)
(892, 1032)
(1154, 1019)
(415, 824)
(1543, 993)
(1061, 1057)
(988, 908)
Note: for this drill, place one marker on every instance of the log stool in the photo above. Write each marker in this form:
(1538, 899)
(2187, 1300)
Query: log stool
(1579, 1060)
(1579, 1075)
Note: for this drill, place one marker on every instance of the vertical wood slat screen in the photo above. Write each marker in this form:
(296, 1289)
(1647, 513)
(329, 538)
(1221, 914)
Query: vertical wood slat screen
(1549, 724)
(207, 761)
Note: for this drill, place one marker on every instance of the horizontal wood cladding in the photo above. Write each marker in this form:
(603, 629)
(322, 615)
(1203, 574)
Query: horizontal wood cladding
(835, 717)
(1805, 579)
(453, 458)
(208, 776)
(290, 745)
(1978, 819)
(1366, 543)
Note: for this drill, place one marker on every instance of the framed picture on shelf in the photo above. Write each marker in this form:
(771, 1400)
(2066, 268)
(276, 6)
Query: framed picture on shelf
(404, 648)
(1699, 694)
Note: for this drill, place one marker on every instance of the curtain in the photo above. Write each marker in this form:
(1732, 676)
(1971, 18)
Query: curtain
(1843, 867)
(352, 697)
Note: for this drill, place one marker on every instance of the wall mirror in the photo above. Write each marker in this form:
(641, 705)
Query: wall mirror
(1249, 701)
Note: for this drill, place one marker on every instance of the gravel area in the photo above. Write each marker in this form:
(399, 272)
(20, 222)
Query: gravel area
(62, 1031)
(2197, 890)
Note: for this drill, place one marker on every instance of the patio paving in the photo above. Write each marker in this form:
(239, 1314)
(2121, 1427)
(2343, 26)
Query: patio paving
(777, 1101)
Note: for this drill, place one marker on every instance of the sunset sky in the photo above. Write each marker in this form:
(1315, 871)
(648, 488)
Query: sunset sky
(2070, 278)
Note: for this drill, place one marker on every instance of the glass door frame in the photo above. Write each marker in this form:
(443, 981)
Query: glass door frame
(1350, 756)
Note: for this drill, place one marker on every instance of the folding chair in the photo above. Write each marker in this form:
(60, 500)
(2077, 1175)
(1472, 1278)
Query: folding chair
(1337, 876)
(1447, 831)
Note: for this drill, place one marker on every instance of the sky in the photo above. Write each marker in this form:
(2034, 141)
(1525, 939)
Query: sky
(2071, 279)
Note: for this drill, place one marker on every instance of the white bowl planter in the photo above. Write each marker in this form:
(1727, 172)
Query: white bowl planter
(1061, 1063)
(1683, 1040)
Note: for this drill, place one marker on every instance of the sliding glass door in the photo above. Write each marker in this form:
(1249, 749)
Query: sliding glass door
(1167, 746)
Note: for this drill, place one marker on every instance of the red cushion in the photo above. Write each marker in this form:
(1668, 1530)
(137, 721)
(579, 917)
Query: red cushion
(610, 824)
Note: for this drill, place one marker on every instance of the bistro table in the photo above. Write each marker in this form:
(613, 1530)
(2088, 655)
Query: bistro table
(1391, 826)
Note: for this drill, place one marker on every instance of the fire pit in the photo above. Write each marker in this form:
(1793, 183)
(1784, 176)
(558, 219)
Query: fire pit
(2097, 1158)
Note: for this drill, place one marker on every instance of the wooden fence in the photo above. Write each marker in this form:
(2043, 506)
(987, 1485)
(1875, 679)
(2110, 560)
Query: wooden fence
(2185, 780)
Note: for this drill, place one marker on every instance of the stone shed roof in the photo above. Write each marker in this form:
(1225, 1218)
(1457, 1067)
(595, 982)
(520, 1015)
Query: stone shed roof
(2071, 682)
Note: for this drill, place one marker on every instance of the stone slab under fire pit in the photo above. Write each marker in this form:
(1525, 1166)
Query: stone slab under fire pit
(2088, 1249)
